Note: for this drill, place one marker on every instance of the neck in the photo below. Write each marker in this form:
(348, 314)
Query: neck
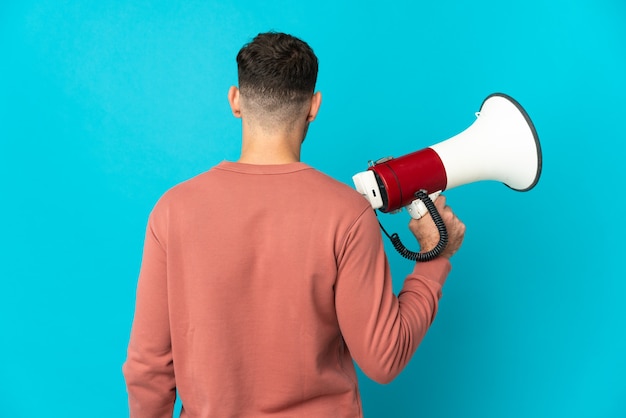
(265, 147)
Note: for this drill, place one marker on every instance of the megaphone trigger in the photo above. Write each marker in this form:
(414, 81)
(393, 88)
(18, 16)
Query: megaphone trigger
(417, 209)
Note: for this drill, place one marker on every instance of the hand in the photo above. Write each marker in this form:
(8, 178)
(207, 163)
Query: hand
(427, 234)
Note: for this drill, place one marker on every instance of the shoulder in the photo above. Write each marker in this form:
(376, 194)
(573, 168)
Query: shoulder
(341, 204)
(338, 192)
(181, 193)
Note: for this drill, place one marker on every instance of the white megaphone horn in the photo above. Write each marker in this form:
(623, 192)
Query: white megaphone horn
(502, 145)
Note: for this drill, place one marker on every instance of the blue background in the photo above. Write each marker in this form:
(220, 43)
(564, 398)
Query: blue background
(105, 105)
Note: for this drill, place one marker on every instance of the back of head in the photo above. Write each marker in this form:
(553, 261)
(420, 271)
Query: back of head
(277, 75)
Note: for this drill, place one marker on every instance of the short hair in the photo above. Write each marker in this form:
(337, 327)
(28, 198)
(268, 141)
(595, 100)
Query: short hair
(277, 72)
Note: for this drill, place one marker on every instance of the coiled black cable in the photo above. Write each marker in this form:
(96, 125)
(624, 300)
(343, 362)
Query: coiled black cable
(441, 227)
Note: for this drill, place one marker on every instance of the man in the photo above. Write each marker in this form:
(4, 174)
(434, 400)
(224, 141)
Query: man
(263, 279)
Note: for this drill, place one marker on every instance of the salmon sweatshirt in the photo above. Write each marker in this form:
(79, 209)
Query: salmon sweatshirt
(260, 288)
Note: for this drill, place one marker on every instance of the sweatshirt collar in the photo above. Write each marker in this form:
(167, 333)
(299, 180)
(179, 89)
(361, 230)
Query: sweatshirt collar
(262, 169)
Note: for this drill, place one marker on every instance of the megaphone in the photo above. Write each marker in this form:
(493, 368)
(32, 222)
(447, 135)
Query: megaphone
(501, 145)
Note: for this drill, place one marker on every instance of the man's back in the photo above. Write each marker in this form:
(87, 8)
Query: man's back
(252, 298)
(252, 256)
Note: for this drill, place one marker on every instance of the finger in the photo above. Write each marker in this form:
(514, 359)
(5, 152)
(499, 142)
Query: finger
(440, 202)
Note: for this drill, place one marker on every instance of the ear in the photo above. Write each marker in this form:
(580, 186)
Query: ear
(233, 99)
(316, 102)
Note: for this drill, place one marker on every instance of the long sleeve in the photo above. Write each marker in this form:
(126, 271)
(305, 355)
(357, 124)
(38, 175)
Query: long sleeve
(383, 331)
(149, 370)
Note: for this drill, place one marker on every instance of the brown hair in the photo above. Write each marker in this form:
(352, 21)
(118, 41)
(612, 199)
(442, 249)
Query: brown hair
(277, 71)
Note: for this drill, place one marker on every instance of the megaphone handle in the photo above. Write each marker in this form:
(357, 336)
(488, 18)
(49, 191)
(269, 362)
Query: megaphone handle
(417, 208)
(441, 227)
